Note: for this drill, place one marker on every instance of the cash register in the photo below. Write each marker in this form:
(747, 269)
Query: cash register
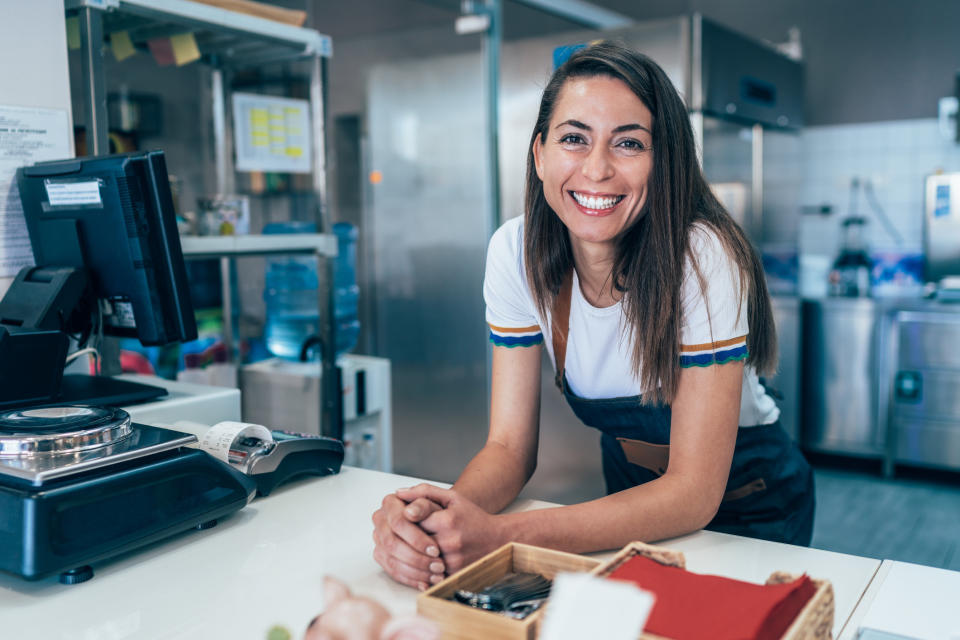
(79, 481)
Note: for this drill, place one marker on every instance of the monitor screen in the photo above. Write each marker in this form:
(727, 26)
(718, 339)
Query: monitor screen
(113, 216)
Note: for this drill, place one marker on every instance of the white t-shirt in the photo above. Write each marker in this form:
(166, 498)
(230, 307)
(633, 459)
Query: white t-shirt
(598, 360)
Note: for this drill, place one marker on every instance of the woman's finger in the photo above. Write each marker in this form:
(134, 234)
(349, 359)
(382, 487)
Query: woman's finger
(400, 571)
(420, 509)
(399, 549)
(443, 497)
(413, 535)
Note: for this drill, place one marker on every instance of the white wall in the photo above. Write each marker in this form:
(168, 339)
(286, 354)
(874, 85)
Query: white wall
(33, 48)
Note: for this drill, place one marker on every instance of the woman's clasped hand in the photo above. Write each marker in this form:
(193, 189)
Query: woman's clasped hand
(424, 533)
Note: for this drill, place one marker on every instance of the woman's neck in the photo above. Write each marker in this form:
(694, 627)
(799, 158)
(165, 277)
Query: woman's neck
(594, 265)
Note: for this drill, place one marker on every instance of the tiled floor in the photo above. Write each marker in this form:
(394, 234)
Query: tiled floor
(913, 520)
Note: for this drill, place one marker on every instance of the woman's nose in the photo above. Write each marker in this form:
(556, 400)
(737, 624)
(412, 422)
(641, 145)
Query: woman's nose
(597, 165)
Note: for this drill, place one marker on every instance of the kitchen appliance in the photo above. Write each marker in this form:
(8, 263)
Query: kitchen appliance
(941, 227)
(80, 484)
(920, 376)
(850, 276)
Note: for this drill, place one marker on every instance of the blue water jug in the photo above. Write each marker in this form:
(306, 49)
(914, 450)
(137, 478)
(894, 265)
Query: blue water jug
(291, 297)
(346, 293)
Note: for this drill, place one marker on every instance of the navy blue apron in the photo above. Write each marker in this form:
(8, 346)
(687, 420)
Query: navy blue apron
(770, 493)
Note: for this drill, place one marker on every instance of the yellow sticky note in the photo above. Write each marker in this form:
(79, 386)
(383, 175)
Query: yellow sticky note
(73, 32)
(121, 45)
(185, 48)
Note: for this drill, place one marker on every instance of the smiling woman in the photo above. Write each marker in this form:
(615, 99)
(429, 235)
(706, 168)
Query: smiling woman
(657, 319)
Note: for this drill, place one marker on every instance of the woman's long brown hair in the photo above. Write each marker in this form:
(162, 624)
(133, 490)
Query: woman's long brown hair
(649, 264)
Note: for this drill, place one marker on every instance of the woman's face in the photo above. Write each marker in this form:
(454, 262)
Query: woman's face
(596, 157)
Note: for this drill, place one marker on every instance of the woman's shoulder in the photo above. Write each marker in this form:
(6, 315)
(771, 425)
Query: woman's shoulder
(704, 238)
(707, 248)
(509, 234)
(507, 242)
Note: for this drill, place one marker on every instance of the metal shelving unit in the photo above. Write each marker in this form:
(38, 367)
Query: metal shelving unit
(227, 41)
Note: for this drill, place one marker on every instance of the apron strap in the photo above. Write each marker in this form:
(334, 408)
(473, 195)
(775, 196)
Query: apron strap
(560, 324)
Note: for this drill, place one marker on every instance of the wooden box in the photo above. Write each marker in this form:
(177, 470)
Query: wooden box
(459, 621)
(814, 622)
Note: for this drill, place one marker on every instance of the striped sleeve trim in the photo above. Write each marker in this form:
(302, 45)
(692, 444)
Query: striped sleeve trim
(515, 336)
(712, 346)
(723, 351)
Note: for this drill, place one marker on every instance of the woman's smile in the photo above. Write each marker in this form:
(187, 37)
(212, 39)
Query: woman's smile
(596, 204)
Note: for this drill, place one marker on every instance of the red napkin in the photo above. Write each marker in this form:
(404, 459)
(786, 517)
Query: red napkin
(692, 606)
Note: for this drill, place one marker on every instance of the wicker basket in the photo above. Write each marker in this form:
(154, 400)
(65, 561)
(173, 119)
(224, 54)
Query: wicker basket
(814, 622)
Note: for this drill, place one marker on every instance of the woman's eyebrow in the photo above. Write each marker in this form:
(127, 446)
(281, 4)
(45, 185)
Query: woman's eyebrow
(631, 127)
(620, 129)
(574, 123)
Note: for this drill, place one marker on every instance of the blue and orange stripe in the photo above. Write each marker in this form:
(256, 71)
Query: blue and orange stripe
(515, 336)
(720, 352)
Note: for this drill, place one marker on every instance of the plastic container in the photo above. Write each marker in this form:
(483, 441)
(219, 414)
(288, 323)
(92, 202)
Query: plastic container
(346, 292)
(367, 453)
(290, 294)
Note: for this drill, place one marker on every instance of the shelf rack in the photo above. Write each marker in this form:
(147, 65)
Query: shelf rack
(227, 41)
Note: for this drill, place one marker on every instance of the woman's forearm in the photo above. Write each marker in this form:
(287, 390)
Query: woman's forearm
(664, 508)
(494, 477)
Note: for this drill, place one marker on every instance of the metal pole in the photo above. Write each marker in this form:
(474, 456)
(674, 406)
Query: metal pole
(695, 82)
(756, 207)
(95, 92)
(331, 411)
(491, 74)
(318, 124)
(222, 150)
(222, 143)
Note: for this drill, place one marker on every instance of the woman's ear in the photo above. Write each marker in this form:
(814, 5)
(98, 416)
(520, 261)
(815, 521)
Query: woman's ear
(538, 155)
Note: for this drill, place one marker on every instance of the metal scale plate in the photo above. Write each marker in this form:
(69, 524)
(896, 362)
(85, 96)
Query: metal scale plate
(46, 443)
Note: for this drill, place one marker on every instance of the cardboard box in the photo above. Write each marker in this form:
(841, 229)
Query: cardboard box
(459, 621)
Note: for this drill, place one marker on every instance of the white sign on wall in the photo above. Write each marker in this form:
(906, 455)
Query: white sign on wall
(271, 134)
(27, 135)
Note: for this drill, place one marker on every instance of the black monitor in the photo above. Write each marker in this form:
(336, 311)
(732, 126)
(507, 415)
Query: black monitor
(107, 252)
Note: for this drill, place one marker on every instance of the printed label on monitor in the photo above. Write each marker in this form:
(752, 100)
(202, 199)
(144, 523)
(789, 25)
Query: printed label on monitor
(118, 313)
(72, 194)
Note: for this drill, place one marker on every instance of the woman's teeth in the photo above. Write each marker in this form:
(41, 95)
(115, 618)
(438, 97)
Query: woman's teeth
(598, 203)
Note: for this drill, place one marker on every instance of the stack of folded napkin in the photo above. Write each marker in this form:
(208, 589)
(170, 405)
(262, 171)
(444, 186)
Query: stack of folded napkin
(692, 606)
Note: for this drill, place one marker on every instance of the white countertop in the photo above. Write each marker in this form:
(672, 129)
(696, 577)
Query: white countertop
(264, 566)
(909, 600)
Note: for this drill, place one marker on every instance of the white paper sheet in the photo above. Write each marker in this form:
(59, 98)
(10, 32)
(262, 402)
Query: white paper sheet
(917, 602)
(584, 606)
(27, 135)
(271, 134)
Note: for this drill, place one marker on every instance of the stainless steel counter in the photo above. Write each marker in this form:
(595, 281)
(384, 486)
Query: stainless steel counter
(879, 378)
(839, 380)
